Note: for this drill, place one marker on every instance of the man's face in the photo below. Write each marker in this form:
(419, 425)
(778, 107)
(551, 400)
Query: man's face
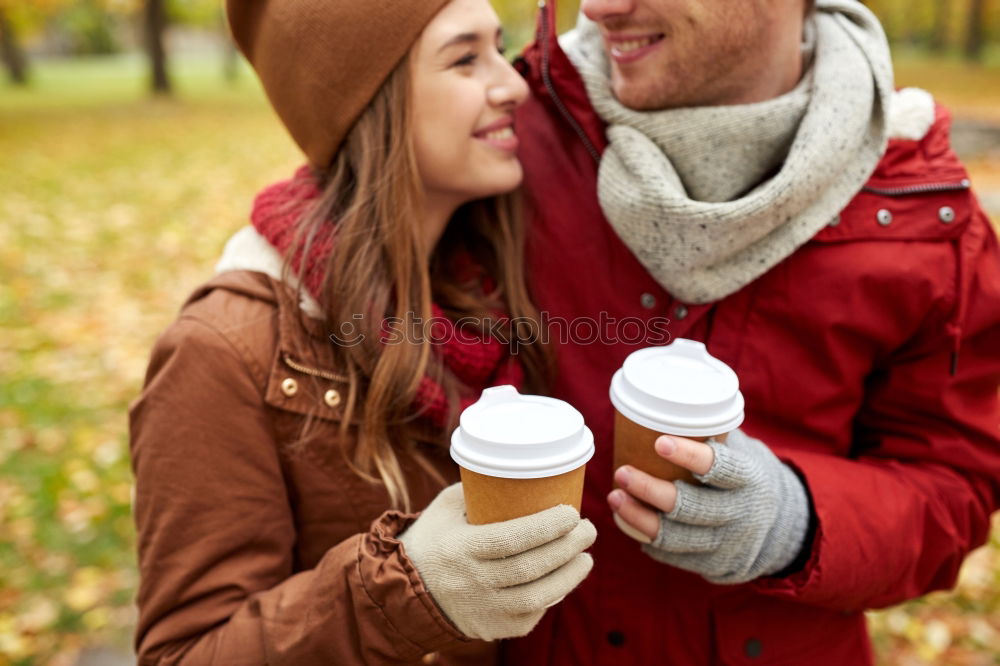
(682, 53)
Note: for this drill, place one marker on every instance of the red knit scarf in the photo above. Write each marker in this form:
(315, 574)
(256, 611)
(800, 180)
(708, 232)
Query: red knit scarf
(477, 361)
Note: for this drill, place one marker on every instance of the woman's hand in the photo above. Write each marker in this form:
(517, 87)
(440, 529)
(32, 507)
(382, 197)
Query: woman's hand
(750, 519)
(495, 581)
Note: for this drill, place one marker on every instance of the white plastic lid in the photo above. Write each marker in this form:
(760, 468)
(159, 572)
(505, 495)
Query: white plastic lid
(678, 389)
(516, 436)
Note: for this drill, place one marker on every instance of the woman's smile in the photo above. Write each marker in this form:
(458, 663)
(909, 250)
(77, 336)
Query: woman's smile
(500, 135)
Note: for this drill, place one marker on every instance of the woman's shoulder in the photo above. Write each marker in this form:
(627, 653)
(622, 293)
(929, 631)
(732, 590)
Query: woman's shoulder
(248, 323)
(248, 305)
(235, 303)
(251, 324)
(230, 320)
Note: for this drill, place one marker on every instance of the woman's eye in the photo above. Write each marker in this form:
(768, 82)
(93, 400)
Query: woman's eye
(466, 61)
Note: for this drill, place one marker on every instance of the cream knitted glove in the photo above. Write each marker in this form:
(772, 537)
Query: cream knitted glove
(495, 581)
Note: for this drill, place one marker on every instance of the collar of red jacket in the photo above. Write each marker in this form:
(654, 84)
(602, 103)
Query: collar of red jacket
(926, 161)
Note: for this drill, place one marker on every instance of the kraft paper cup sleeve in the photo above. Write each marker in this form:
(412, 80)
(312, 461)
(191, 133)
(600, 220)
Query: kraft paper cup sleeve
(520, 454)
(490, 499)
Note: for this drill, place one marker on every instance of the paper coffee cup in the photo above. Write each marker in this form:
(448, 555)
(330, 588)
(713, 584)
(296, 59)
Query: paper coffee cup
(677, 389)
(520, 454)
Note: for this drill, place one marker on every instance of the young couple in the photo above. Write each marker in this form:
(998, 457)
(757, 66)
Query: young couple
(744, 169)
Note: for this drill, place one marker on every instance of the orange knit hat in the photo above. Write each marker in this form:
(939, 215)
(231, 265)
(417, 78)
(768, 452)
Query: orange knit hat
(322, 61)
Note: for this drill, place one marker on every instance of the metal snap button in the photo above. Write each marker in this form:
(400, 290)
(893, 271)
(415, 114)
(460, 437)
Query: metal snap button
(331, 398)
(289, 386)
(681, 311)
(884, 217)
(431, 658)
(946, 214)
(648, 301)
(753, 648)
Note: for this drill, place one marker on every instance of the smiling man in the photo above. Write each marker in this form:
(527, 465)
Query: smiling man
(683, 54)
(747, 170)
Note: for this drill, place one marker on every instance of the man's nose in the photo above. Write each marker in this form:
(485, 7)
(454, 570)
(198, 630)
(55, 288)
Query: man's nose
(601, 10)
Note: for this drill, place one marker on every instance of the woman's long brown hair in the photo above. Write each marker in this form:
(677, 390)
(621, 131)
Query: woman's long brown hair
(378, 269)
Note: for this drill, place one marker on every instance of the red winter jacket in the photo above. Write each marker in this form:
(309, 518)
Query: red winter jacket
(869, 360)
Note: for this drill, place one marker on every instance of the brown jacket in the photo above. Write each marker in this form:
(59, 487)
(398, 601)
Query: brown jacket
(254, 547)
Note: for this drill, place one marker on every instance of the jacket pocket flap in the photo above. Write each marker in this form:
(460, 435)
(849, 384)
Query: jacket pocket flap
(924, 216)
(756, 629)
(296, 386)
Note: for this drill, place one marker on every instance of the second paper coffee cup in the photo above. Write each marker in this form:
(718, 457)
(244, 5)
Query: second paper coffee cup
(676, 389)
(520, 454)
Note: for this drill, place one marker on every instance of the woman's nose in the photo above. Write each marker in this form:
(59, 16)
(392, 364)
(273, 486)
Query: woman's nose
(509, 90)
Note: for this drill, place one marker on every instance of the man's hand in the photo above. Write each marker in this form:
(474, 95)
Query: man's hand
(749, 519)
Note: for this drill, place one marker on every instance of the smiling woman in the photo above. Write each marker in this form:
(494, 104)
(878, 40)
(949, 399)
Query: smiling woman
(465, 94)
(301, 456)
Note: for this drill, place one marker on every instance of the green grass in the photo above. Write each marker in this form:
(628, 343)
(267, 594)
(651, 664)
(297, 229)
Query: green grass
(113, 206)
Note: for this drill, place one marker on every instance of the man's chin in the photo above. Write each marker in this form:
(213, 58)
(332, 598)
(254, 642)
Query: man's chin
(637, 97)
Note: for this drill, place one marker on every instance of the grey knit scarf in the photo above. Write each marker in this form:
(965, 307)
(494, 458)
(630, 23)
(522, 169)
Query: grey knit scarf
(688, 189)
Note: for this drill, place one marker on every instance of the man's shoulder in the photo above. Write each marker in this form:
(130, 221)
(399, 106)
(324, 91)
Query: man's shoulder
(919, 149)
(920, 190)
(911, 114)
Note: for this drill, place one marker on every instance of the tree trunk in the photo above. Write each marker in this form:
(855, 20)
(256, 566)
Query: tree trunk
(939, 33)
(974, 36)
(231, 56)
(12, 54)
(156, 25)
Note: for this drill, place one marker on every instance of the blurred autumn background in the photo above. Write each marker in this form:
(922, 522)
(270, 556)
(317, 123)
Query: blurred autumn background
(132, 139)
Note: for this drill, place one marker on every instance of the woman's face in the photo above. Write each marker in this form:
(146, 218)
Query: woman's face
(464, 96)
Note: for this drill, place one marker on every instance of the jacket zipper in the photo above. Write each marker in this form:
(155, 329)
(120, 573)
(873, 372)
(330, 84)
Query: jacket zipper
(547, 81)
(291, 363)
(963, 184)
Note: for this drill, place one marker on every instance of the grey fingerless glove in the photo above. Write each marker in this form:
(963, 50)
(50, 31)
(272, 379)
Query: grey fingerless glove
(496, 581)
(749, 520)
